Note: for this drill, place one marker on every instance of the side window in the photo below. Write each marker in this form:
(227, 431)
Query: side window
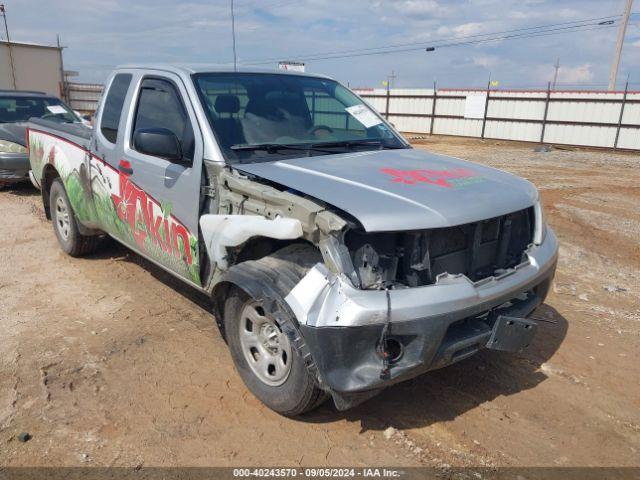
(113, 106)
(159, 106)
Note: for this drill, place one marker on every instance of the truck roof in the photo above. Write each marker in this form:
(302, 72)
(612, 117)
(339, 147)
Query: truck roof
(187, 69)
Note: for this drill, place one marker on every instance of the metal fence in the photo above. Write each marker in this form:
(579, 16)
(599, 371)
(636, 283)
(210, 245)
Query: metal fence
(568, 117)
(576, 117)
(83, 97)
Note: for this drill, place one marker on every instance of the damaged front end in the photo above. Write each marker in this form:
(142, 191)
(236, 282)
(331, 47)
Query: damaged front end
(383, 307)
(423, 300)
(416, 258)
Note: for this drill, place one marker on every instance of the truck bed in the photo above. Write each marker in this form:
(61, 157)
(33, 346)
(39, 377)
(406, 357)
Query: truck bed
(77, 133)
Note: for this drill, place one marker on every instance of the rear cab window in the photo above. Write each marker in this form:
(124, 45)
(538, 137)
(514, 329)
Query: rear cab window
(110, 118)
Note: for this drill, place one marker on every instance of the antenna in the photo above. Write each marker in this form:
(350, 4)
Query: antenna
(233, 35)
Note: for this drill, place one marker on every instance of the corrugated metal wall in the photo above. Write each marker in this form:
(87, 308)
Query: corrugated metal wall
(84, 97)
(585, 118)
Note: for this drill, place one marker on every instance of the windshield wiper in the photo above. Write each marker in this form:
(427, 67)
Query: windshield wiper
(324, 147)
(275, 147)
(357, 143)
(269, 147)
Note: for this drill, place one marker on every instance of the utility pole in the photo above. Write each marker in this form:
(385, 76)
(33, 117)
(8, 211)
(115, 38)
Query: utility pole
(64, 88)
(6, 29)
(233, 34)
(392, 79)
(555, 75)
(620, 42)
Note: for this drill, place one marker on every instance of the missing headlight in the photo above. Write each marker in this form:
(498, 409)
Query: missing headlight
(413, 259)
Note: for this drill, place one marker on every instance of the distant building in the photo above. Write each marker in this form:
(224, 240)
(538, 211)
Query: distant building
(29, 66)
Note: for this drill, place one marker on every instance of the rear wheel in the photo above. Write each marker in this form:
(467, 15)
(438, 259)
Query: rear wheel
(65, 225)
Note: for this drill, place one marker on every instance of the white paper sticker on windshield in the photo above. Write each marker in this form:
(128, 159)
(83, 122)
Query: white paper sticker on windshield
(56, 109)
(365, 116)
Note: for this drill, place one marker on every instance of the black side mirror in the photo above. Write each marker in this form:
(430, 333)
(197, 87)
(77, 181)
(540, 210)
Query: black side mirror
(159, 142)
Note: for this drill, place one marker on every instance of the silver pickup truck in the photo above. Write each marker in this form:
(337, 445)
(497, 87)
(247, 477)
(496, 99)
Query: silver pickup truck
(339, 260)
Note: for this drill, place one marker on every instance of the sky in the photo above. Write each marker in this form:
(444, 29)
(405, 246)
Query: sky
(100, 34)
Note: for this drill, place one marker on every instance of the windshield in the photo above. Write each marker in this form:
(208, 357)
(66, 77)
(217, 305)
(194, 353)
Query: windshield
(261, 117)
(20, 109)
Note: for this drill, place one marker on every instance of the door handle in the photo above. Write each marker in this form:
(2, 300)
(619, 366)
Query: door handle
(125, 167)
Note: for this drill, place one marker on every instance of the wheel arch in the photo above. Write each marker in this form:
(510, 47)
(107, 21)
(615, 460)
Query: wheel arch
(49, 174)
(256, 272)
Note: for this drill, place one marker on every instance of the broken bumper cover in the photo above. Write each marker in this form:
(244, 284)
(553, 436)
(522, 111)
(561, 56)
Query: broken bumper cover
(14, 167)
(435, 325)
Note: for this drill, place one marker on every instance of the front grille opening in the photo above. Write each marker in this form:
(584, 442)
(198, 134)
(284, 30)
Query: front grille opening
(477, 250)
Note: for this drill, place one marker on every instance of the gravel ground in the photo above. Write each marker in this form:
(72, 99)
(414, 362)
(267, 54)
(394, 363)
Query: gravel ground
(108, 361)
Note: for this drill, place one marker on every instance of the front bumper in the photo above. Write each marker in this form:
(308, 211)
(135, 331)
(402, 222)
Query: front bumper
(436, 325)
(14, 167)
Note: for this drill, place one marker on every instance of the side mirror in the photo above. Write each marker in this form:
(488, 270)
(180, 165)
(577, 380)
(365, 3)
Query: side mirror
(158, 142)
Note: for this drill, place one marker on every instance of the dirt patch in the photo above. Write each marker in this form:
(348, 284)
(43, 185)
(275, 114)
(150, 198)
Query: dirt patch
(109, 361)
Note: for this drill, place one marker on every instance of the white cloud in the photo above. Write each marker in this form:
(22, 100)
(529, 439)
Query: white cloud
(566, 74)
(99, 33)
(470, 28)
(419, 6)
(486, 61)
(210, 23)
(579, 74)
(462, 30)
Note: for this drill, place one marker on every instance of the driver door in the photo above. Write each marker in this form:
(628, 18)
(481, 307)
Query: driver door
(159, 198)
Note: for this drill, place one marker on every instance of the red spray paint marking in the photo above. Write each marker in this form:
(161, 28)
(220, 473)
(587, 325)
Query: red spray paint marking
(433, 177)
(127, 207)
(52, 155)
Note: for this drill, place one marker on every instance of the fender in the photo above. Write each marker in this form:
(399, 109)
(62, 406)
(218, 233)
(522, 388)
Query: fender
(222, 231)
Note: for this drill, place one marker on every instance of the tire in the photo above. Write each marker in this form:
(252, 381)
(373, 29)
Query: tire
(65, 225)
(291, 389)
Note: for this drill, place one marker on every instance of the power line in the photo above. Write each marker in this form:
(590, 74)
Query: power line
(543, 33)
(383, 51)
(461, 37)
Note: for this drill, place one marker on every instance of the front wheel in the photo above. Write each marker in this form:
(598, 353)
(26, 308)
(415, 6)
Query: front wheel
(65, 225)
(265, 343)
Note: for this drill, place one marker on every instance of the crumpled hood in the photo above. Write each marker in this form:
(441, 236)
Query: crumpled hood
(406, 189)
(13, 132)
